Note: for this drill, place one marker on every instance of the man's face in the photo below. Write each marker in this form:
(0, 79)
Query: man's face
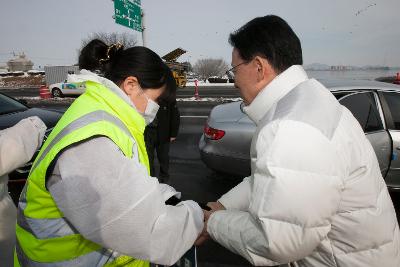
(245, 77)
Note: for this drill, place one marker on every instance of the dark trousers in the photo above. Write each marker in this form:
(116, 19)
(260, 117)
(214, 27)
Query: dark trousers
(152, 145)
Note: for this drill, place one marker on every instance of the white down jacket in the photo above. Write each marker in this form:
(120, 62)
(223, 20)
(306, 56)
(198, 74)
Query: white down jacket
(316, 195)
(17, 146)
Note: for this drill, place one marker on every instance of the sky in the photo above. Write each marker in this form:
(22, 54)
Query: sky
(333, 32)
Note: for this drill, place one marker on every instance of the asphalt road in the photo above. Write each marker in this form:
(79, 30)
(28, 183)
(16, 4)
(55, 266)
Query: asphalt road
(206, 91)
(20, 92)
(188, 174)
(209, 91)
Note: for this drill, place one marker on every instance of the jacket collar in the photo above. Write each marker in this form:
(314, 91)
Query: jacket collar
(274, 91)
(86, 75)
(109, 93)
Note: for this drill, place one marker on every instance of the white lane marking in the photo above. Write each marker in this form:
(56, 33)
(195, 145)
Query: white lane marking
(187, 116)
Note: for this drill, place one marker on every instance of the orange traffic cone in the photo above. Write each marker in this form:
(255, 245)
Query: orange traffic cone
(44, 92)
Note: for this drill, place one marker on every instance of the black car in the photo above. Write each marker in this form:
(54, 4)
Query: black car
(11, 112)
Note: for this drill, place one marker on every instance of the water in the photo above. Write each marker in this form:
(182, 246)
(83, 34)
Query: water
(352, 74)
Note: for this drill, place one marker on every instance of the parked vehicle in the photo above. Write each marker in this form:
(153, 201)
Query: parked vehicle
(180, 78)
(65, 88)
(178, 69)
(225, 143)
(215, 79)
(11, 112)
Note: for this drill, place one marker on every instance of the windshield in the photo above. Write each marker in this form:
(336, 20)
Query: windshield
(9, 105)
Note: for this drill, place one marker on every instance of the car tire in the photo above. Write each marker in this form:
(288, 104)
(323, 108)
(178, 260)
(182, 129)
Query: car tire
(56, 92)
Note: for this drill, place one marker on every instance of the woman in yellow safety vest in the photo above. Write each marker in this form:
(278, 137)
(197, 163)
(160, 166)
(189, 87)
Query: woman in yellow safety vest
(89, 199)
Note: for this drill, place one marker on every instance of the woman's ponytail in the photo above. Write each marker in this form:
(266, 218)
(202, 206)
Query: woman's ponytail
(116, 64)
(98, 56)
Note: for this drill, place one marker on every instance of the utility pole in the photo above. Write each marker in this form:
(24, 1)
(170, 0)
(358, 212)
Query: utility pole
(143, 29)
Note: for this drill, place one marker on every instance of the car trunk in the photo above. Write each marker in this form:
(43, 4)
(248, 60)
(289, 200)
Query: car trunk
(229, 112)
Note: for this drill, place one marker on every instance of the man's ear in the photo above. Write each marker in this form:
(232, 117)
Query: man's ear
(130, 85)
(262, 68)
(265, 72)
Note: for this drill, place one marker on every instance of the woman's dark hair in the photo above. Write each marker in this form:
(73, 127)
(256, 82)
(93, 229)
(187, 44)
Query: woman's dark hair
(269, 37)
(116, 64)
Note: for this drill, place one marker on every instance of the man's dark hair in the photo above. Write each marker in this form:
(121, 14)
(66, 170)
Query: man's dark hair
(269, 37)
(116, 64)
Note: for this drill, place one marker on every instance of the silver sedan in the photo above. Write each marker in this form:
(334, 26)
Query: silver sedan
(225, 143)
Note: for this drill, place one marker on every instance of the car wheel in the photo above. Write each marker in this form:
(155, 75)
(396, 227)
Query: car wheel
(56, 92)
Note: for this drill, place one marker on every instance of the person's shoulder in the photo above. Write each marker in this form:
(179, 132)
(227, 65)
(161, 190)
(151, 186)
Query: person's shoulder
(290, 129)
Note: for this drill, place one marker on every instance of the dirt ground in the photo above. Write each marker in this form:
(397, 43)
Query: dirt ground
(22, 81)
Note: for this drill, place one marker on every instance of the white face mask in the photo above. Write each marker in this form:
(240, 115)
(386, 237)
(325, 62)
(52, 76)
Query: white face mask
(151, 110)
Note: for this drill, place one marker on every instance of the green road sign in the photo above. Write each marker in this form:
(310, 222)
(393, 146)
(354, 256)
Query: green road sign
(128, 14)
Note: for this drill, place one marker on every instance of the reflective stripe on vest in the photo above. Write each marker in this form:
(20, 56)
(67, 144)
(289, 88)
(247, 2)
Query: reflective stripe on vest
(44, 237)
(94, 258)
(79, 123)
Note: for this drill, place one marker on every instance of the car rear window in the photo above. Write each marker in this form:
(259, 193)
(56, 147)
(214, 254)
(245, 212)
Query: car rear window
(9, 105)
(363, 106)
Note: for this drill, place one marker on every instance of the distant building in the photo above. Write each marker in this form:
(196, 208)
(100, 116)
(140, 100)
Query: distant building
(340, 67)
(3, 68)
(20, 63)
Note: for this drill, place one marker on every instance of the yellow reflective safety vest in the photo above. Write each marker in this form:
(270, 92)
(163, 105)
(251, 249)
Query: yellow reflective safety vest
(98, 112)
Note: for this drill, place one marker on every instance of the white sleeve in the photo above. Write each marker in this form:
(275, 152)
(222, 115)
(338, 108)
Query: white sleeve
(19, 143)
(295, 193)
(238, 198)
(239, 232)
(168, 191)
(112, 201)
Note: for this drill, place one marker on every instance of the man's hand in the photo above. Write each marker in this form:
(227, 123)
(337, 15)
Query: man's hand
(204, 236)
(216, 206)
(172, 139)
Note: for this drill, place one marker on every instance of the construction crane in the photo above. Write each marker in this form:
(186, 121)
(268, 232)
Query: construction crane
(178, 69)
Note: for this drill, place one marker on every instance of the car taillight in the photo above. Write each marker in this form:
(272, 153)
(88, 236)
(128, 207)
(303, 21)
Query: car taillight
(213, 134)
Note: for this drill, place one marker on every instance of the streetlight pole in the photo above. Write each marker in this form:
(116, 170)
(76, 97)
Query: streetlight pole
(143, 29)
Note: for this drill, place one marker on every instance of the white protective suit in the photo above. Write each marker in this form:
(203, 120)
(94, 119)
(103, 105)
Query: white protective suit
(316, 195)
(111, 199)
(17, 146)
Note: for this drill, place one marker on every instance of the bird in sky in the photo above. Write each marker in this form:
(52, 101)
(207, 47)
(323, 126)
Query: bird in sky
(365, 9)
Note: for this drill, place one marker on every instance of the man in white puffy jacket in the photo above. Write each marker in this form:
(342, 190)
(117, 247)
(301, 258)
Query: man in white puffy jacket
(17, 146)
(316, 196)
